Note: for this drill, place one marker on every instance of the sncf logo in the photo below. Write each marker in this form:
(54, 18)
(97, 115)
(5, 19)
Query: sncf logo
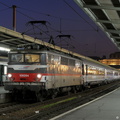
(25, 67)
(24, 75)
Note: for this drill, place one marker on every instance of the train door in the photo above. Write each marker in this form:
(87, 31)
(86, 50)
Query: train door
(3, 72)
(85, 72)
(57, 71)
(106, 75)
(51, 72)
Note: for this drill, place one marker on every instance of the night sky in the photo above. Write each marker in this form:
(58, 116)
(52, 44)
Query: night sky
(63, 17)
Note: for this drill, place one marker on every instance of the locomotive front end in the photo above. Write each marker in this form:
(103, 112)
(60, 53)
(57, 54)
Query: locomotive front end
(26, 70)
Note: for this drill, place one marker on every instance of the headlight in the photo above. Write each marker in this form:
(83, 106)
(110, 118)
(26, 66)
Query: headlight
(9, 75)
(39, 75)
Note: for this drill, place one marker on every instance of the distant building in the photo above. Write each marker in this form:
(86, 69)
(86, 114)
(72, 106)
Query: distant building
(115, 55)
(94, 57)
(113, 61)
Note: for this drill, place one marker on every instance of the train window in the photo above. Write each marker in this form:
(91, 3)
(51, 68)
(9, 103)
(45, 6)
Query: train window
(109, 72)
(92, 70)
(116, 73)
(64, 61)
(77, 64)
(50, 58)
(56, 59)
(16, 58)
(71, 62)
(101, 71)
(32, 58)
(85, 69)
(43, 59)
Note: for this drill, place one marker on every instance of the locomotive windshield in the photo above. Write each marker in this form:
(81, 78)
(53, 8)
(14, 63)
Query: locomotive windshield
(25, 58)
(32, 58)
(16, 58)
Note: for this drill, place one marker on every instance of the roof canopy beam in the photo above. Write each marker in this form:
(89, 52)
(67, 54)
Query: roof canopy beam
(107, 21)
(8, 44)
(113, 31)
(115, 37)
(6, 40)
(106, 13)
(106, 7)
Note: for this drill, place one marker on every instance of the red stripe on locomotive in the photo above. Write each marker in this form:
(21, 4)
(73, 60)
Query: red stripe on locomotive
(32, 77)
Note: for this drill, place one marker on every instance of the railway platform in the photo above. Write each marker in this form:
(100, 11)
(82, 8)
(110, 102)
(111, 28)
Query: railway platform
(106, 107)
(5, 96)
(2, 90)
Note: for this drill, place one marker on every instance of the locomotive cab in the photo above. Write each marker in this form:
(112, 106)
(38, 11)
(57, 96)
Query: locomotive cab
(26, 69)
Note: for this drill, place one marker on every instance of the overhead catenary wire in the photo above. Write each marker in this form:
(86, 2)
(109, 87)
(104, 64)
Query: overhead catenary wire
(24, 15)
(80, 15)
(59, 31)
(4, 9)
(4, 4)
(49, 15)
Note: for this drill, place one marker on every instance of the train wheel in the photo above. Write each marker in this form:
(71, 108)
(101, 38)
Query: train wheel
(74, 90)
(68, 93)
(54, 94)
(39, 97)
(16, 95)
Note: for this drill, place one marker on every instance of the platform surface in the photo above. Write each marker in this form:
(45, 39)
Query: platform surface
(5, 96)
(104, 108)
(2, 90)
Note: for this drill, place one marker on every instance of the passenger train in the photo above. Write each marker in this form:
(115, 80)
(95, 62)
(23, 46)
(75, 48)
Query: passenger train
(48, 72)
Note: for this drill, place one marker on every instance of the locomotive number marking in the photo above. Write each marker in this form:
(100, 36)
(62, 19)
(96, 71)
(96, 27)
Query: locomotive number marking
(24, 75)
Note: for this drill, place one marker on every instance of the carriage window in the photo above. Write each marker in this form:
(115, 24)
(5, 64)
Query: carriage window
(16, 58)
(64, 61)
(77, 64)
(109, 72)
(101, 71)
(93, 70)
(56, 59)
(50, 58)
(116, 73)
(32, 58)
(71, 62)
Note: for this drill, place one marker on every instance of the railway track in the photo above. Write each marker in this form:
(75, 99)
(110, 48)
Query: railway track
(3, 105)
(50, 108)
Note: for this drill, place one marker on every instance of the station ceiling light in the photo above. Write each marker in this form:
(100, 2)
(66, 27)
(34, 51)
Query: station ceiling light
(4, 49)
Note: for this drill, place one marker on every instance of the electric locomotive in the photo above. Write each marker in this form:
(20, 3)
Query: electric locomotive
(44, 72)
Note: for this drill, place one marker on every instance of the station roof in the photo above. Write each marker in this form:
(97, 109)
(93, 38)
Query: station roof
(106, 14)
(13, 39)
